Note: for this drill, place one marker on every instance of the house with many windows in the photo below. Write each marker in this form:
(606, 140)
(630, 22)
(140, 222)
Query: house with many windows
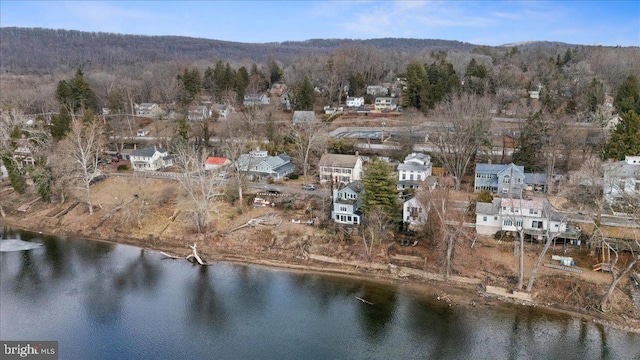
(622, 180)
(340, 168)
(413, 171)
(354, 101)
(261, 165)
(535, 217)
(151, 110)
(386, 103)
(256, 100)
(347, 202)
(505, 180)
(150, 159)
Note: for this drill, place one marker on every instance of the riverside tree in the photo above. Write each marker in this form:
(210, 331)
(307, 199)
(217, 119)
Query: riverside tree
(625, 138)
(380, 190)
(462, 129)
(82, 147)
(307, 137)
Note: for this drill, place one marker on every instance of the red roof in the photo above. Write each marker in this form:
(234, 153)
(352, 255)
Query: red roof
(215, 160)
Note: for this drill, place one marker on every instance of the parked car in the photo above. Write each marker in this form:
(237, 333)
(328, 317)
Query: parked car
(97, 179)
(310, 187)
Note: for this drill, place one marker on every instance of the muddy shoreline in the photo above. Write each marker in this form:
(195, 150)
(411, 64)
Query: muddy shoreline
(455, 293)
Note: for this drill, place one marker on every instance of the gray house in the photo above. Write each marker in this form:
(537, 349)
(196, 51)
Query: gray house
(261, 166)
(347, 202)
(500, 179)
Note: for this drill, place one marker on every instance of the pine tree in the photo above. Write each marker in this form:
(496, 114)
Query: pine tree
(625, 138)
(628, 96)
(380, 189)
(305, 96)
(61, 123)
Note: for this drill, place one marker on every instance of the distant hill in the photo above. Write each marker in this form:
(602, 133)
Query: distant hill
(37, 50)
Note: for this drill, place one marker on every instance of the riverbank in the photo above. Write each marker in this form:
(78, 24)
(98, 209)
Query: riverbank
(296, 247)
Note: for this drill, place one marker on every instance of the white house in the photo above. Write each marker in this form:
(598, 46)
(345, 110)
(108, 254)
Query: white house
(354, 101)
(414, 170)
(223, 110)
(151, 110)
(256, 100)
(377, 90)
(150, 159)
(535, 217)
(386, 103)
(340, 168)
(198, 113)
(346, 204)
(414, 213)
(622, 180)
(261, 165)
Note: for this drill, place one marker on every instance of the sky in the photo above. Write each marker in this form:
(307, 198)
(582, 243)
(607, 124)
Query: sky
(608, 23)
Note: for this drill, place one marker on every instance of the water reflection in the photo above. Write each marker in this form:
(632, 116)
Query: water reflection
(137, 306)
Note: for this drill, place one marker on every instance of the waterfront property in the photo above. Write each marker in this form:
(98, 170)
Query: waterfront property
(261, 165)
(150, 159)
(346, 203)
(339, 168)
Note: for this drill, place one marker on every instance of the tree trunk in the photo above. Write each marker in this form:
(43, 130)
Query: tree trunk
(605, 304)
(521, 260)
(89, 199)
(447, 270)
(534, 271)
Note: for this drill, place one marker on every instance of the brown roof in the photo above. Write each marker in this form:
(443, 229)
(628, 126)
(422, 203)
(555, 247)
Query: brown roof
(338, 160)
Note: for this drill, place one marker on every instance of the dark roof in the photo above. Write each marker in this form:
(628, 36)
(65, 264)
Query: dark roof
(147, 152)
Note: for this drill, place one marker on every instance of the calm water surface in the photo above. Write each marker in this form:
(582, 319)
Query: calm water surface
(103, 301)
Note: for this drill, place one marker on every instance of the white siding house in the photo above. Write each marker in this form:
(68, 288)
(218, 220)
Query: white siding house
(535, 217)
(150, 159)
(414, 170)
(354, 101)
(622, 180)
(414, 213)
(346, 204)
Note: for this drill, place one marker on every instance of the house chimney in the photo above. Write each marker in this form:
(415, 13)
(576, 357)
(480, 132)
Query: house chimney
(489, 161)
(357, 153)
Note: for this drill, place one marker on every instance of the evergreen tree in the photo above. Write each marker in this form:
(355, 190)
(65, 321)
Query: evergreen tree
(60, 123)
(531, 143)
(595, 95)
(16, 174)
(380, 189)
(415, 93)
(628, 96)
(625, 138)
(477, 79)
(76, 94)
(442, 80)
(241, 82)
(190, 84)
(275, 73)
(208, 81)
(305, 95)
(357, 84)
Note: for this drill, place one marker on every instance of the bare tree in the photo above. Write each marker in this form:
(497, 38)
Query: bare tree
(307, 137)
(631, 246)
(375, 228)
(201, 186)
(82, 147)
(233, 145)
(549, 238)
(462, 128)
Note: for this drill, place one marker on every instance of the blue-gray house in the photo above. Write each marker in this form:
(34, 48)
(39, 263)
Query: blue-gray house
(505, 180)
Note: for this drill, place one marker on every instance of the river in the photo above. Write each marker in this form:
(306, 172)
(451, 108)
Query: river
(106, 301)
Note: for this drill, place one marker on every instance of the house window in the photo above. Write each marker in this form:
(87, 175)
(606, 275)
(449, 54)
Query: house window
(531, 211)
(519, 223)
(508, 222)
(495, 218)
(536, 224)
(516, 210)
(343, 208)
(484, 218)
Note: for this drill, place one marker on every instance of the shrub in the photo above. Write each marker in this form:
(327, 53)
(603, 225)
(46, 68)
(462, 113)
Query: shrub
(122, 167)
(293, 176)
